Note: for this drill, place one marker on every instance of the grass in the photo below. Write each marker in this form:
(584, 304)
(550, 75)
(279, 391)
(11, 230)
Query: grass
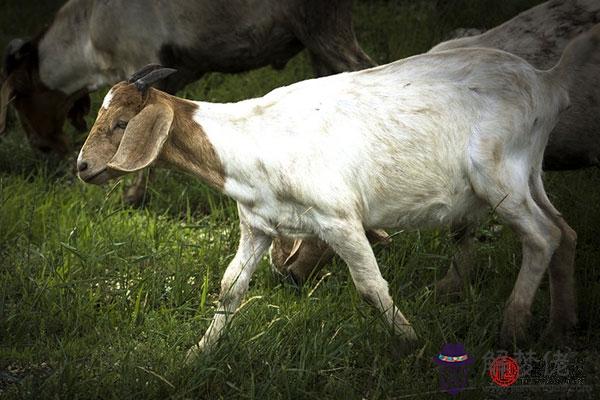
(98, 300)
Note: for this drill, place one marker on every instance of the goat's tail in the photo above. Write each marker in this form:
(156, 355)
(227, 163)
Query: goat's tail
(578, 53)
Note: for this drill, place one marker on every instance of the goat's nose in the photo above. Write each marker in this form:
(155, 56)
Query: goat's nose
(82, 166)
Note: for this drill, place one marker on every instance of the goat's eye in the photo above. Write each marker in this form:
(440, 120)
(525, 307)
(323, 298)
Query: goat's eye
(121, 124)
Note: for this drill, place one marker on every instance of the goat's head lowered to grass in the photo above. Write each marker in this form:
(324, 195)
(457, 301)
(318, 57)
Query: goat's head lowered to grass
(42, 110)
(132, 126)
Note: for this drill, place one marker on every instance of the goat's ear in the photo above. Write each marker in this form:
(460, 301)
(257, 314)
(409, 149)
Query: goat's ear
(143, 139)
(6, 92)
(79, 109)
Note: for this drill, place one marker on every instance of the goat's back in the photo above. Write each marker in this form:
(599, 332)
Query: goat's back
(389, 141)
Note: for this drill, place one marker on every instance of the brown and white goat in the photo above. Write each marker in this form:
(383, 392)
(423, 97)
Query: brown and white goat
(95, 43)
(538, 35)
(431, 140)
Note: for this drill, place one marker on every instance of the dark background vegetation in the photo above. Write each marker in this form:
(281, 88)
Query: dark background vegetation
(98, 300)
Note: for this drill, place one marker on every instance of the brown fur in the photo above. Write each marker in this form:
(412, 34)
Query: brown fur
(301, 261)
(42, 111)
(187, 141)
(186, 147)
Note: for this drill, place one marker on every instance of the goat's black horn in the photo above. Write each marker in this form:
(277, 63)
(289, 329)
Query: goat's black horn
(143, 83)
(143, 72)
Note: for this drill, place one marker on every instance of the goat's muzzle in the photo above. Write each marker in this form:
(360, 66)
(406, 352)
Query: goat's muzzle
(97, 178)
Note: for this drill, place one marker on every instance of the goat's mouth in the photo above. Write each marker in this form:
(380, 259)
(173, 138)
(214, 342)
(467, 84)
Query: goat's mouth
(96, 178)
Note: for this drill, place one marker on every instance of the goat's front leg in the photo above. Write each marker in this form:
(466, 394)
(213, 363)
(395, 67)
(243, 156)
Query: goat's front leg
(252, 246)
(136, 194)
(354, 248)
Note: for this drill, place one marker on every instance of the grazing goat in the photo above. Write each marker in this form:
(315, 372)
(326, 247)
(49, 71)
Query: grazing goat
(95, 43)
(430, 140)
(538, 35)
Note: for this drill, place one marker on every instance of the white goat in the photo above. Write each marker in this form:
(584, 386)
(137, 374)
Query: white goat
(430, 140)
(538, 35)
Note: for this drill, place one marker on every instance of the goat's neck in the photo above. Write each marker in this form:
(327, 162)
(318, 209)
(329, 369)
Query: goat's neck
(224, 144)
(188, 149)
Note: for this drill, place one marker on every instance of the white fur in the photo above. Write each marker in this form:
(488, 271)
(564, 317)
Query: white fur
(381, 146)
(427, 141)
(107, 99)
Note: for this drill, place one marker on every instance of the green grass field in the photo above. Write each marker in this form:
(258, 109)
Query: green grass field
(98, 300)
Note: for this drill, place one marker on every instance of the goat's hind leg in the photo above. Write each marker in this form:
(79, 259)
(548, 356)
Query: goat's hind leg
(354, 248)
(506, 187)
(563, 316)
(540, 237)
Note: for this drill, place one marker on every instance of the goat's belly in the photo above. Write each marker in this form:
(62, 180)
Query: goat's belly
(411, 209)
(281, 221)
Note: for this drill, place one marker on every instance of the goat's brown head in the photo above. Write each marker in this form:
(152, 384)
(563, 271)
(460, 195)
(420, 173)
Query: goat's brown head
(42, 110)
(130, 130)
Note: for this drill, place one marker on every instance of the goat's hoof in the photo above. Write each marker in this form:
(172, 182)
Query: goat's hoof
(449, 288)
(557, 333)
(514, 330)
(404, 345)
